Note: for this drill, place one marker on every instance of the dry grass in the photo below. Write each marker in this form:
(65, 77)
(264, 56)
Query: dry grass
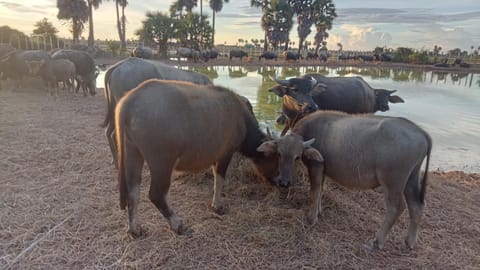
(59, 208)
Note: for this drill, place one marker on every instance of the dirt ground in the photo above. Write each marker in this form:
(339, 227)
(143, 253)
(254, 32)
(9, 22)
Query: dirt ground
(59, 208)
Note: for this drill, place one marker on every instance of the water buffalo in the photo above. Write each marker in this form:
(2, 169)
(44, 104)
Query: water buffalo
(142, 52)
(86, 71)
(297, 100)
(292, 56)
(188, 53)
(237, 53)
(209, 54)
(359, 152)
(384, 57)
(54, 70)
(182, 126)
(311, 56)
(268, 56)
(14, 64)
(347, 94)
(365, 57)
(128, 74)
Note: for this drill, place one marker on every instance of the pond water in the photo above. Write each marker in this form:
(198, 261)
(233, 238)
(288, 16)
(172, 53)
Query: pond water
(445, 104)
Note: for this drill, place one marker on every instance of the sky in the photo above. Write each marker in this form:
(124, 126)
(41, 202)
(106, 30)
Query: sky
(360, 25)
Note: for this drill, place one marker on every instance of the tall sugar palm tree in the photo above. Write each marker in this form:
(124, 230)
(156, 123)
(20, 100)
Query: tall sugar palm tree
(77, 12)
(121, 22)
(263, 4)
(92, 4)
(277, 22)
(216, 6)
(309, 12)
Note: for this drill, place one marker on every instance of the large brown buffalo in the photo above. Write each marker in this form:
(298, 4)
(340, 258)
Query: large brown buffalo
(359, 152)
(128, 74)
(181, 126)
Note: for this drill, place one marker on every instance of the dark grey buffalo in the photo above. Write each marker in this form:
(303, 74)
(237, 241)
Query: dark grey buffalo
(128, 74)
(350, 95)
(209, 54)
(323, 56)
(53, 71)
(359, 152)
(347, 94)
(14, 64)
(297, 101)
(183, 127)
(86, 71)
(384, 57)
(268, 56)
(294, 56)
(312, 56)
(142, 52)
(188, 53)
(235, 53)
(366, 57)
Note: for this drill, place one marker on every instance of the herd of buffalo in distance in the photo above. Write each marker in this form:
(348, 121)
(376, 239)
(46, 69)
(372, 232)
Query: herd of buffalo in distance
(174, 119)
(206, 55)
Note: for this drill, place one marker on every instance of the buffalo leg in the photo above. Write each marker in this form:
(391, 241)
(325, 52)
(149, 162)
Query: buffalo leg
(79, 82)
(317, 180)
(415, 207)
(110, 133)
(219, 171)
(133, 173)
(160, 184)
(394, 207)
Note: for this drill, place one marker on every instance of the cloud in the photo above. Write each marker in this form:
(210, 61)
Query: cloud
(408, 16)
(15, 7)
(354, 37)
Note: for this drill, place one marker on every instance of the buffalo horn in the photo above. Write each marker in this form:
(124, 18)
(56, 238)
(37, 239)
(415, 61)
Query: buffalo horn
(308, 143)
(272, 135)
(281, 82)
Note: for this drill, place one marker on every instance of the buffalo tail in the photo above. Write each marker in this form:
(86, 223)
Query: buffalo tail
(423, 188)
(121, 145)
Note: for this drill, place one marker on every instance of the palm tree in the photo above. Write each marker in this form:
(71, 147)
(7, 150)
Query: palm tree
(77, 12)
(92, 4)
(277, 22)
(216, 6)
(157, 29)
(264, 4)
(310, 12)
(121, 22)
(340, 46)
(179, 5)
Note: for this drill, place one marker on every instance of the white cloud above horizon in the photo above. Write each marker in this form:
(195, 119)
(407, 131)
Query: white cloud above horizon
(416, 24)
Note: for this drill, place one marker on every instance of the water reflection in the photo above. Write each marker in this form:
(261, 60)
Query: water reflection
(446, 104)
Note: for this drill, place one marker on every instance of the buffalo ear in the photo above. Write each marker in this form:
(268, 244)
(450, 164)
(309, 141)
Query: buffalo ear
(311, 153)
(278, 90)
(268, 147)
(395, 99)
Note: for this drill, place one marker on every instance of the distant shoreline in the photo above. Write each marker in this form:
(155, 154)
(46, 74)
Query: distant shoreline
(300, 63)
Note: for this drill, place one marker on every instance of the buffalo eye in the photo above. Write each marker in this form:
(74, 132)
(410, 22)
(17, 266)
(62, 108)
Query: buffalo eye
(297, 157)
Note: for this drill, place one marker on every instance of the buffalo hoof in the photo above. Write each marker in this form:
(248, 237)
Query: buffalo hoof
(177, 226)
(183, 230)
(372, 245)
(136, 232)
(219, 210)
(410, 243)
(312, 217)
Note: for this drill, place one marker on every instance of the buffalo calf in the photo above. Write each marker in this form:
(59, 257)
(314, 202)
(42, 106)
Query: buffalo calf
(359, 152)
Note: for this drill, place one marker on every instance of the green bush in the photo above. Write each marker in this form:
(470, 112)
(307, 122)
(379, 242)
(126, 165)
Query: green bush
(113, 47)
